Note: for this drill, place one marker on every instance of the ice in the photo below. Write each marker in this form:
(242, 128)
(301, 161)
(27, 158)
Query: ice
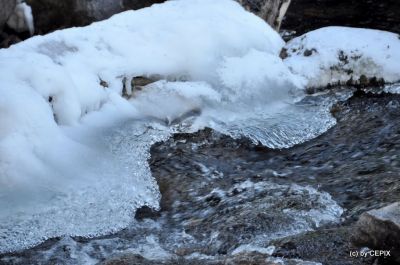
(73, 151)
(292, 209)
(22, 19)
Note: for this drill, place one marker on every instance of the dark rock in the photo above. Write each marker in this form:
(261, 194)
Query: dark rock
(240, 259)
(6, 40)
(146, 212)
(331, 244)
(363, 81)
(380, 230)
(6, 9)
(308, 53)
(367, 133)
(307, 15)
(50, 15)
(137, 4)
(129, 259)
(283, 54)
(272, 11)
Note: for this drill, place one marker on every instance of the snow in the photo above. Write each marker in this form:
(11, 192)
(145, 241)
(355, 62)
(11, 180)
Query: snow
(72, 149)
(254, 76)
(338, 54)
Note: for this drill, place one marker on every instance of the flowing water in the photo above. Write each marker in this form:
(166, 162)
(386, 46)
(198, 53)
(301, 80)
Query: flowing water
(121, 175)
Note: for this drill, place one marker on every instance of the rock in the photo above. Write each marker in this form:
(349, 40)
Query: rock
(146, 212)
(21, 20)
(50, 15)
(137, 4)
(129, 259)
(325, 245)
(380, 230)
(245, 259)
(272, 11)
(137, 83)
(7, 8)
(307, 15)
(7, 40)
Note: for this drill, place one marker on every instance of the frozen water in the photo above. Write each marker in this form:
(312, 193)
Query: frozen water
(101, 183)
(73, 152)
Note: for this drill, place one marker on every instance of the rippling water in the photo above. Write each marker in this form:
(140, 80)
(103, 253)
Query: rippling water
(124, 174)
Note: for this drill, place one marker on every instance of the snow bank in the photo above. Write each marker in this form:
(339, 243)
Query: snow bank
(335, 55)
(62, 170)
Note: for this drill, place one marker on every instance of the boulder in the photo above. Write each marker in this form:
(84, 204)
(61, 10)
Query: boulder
(272, 11)
(307, 15)
(21, 20)
(7, 8)
(50, 15)
(380, 230)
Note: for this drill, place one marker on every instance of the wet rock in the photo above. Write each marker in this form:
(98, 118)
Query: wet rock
(259, 259)
(272, 11)
(7, 8)
(243, 259)
(326, 245)
(380, 230)
(129, 259)
(50, 15)
(307, 15)
(146, 212)
(254, 185)
(21, 19)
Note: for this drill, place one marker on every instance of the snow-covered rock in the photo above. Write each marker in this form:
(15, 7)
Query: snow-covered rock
(339, 55)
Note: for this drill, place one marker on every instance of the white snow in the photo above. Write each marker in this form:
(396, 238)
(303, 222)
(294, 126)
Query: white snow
(73, 153)
(339, 54)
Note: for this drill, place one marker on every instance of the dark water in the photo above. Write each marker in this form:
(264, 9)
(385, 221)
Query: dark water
(227, 201)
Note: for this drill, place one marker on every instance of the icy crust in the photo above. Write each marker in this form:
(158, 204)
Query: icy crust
(340, 55)
(60, 95)
(100, 199)
(73, 151)
(287, 210)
